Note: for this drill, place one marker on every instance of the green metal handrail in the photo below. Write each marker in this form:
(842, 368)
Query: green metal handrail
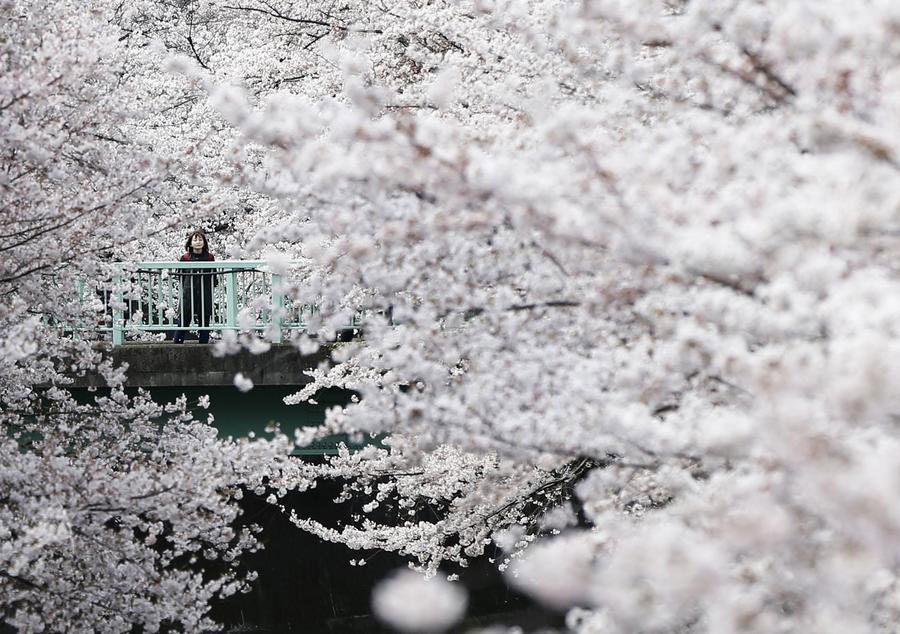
(150, 296)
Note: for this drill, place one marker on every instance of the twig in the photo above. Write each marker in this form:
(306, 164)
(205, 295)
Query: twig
(150, 494)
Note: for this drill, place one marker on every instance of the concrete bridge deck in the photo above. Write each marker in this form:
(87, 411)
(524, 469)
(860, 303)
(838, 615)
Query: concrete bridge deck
(194, 365)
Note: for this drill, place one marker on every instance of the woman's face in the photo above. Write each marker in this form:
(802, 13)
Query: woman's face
(197, 242)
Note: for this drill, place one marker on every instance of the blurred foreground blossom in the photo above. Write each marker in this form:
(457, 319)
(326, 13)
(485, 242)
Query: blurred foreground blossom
(242, 383)
(558, 572)
(412, 603)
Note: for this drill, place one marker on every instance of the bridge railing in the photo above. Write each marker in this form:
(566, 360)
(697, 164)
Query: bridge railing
(159, 297)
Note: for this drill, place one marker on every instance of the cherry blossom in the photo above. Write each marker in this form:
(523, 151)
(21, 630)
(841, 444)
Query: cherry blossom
(628, 271)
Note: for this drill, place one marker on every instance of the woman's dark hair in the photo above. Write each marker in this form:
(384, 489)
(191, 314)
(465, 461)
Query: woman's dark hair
(187, 245)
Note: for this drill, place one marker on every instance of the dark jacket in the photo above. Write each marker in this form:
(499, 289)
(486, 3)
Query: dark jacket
(198, 284)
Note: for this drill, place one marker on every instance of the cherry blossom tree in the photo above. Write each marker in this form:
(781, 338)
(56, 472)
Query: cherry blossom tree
(629, 270)
(640, 262)
(117, 513)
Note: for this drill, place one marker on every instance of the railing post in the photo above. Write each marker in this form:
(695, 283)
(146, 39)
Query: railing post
(231, 300)
(79, 291)
(170, 285)
(118, 330)
(277, 308)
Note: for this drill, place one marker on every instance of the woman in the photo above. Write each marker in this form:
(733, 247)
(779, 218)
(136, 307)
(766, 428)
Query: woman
(196, 288)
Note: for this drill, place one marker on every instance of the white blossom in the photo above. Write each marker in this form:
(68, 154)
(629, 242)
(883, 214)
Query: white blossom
(243, 383)
(636, 260)
(412, 603)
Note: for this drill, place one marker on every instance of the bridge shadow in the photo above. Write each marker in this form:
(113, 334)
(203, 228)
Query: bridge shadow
(308, 585)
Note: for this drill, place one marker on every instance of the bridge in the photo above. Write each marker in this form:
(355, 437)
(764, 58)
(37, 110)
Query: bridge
(143, 308)
(162, 297)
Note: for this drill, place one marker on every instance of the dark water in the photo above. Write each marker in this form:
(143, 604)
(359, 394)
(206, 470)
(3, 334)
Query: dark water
(236, 413)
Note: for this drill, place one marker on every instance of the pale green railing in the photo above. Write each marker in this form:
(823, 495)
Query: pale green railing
(147, 296)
